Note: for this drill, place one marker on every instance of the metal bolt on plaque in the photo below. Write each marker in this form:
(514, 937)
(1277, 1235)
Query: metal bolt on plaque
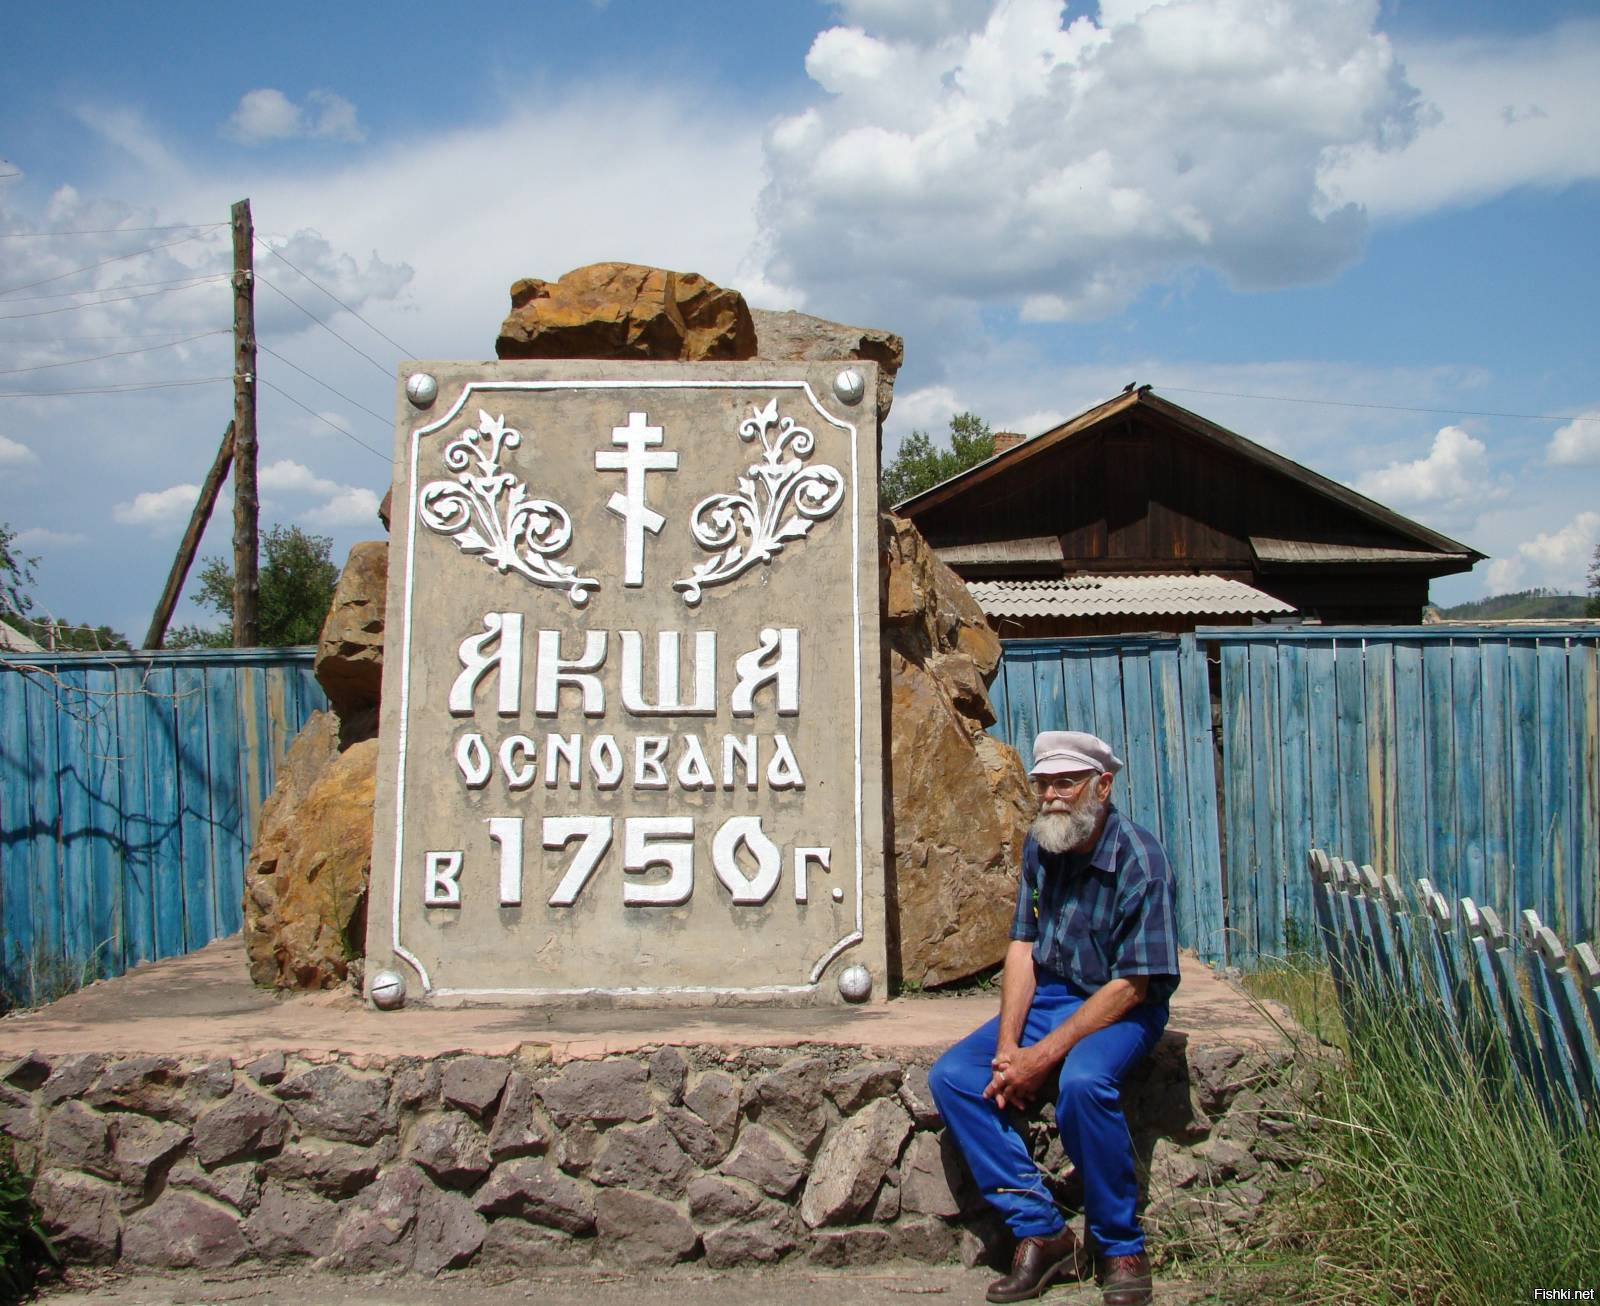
(850, 386)
(388, 991)
(421, 389)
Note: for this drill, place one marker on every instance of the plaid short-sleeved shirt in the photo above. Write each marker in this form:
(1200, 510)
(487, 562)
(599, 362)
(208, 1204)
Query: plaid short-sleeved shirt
(1095, 918)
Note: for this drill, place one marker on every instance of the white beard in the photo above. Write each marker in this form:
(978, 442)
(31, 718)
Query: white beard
(1064, 828)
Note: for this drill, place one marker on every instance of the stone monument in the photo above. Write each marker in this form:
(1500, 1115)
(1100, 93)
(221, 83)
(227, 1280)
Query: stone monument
(631, 743)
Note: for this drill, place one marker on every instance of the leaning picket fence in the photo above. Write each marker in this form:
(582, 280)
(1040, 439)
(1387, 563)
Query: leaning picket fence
(1529, 1011)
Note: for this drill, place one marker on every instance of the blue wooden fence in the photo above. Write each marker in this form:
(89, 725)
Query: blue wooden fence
(1147, 698)
(1526, 1010)
(1470, 755)
(129, 787)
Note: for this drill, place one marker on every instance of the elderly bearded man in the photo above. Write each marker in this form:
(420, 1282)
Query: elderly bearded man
(1083, 997)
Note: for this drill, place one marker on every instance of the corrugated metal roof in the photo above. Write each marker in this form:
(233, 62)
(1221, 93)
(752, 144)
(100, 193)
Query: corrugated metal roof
(13, 640)
(1311, 551)
(1097, 596)
(1040, 548)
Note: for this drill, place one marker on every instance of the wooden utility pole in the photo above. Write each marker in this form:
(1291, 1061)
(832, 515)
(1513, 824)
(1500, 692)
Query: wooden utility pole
(191, 541)
(246, 504)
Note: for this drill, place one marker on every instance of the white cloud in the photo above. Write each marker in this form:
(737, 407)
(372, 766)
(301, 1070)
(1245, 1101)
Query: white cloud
(13, 453)
(1067, 168)
(1558, 559)
(40, 538)
(267, 114)
(1517, 111)
(157, 507)
(1455, 469)
(288, 475)
(1577, 442)
(351, 506)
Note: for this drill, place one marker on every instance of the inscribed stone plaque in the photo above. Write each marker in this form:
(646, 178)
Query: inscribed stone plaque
(631, 738)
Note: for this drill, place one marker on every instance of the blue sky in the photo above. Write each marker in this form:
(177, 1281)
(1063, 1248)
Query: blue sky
(1353, 231)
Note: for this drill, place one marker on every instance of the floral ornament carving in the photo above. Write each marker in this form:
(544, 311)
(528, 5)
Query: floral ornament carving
(487, 510)
(777, 500)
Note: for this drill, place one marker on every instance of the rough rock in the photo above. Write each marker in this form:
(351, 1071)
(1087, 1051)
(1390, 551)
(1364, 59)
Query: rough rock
(853, 1162)
(349, 662)
(71, 1078)
(80, 1138)
(759, 1242)
(332, 1102)
(452, 1149)
(791, 1098)
(605, 1092)
(535, 1191)
(766, 1161)
(306, 881)
(962, 801)
(669, 1072)
(474, 1083)
(80, 1215)
(625, 310)
(836, 1248)
(716, 1201)
(799, 337)
(242, 1125)
(513, 1244)
(714, 1097)
(853, 1088)
(917, 1099)
(332, 1169)
(237, 1185)
(27, 1072)
(520, 1127)
(642, 1156)
(696, 1137)
(642, 1232)
(448, 1232)
(373, 1233)
(931, 1175)
(267, 1069)
(286, 1224)
(928, 1240)
(184, 1231)
(150, 1086)
(143, 1148)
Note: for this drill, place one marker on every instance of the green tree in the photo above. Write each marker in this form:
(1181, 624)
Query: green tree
(918, 465)
(16, 574)
(1593, 609)
(296, 577)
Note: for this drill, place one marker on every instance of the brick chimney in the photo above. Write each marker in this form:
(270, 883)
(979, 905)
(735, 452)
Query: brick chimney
(1004, 440)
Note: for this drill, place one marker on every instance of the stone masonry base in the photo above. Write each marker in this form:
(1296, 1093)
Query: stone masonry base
(730, 1155)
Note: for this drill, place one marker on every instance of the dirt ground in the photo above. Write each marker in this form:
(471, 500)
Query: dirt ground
(765, 1286)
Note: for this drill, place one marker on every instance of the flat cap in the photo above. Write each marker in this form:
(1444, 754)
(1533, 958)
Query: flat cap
(1061, 752)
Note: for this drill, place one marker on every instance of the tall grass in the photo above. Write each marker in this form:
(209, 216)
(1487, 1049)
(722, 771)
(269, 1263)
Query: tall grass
(1442, 1180)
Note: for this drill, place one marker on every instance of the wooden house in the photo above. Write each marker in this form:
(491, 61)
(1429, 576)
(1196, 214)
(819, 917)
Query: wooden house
(1140, 515)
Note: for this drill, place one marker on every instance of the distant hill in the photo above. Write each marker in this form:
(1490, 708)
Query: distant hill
(1525, 605)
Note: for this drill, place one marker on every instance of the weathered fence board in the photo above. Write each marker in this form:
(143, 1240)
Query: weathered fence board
(129, 787)
(1148, 699)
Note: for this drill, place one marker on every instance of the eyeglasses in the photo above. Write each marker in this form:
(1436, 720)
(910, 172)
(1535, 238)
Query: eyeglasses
(1063, 784)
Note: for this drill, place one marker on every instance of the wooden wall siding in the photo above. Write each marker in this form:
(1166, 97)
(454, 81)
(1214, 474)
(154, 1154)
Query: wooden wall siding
(1470, 759)
(1147, 697)
(1469, 756)
(129, 787)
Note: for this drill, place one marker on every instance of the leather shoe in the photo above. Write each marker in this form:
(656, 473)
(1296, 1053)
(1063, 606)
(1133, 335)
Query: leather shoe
(1125, 1280)
(1039, 1262)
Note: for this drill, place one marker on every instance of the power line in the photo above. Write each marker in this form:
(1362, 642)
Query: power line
(108, 231)
(143, 294)
(1392, 408)
(121, 353)
(388, 372)
(347, 435)
(115, 258)
(126, 285)
(114, 389)
(353, 402)
(282, 259)
(64, 340)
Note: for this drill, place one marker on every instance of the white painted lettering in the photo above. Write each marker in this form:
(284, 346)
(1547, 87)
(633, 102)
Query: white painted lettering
(506, 628)
(559, 831)
(649, 761)
(637, 439)
(668, 688)
(473, 760)
(694, 772)
(744, 750)
(558, 749)
(519, 775)
(744, 888)
(674, 849)
(442, 883)
(506, 831)
(555, 671)
(783, 771)
(784, 670)
(605, 760)
(803, 857)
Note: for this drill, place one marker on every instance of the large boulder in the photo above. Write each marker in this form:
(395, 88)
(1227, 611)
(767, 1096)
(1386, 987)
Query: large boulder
(961, 798)
(306, 880)
(800, 338)
(349, 664)
(624, 310)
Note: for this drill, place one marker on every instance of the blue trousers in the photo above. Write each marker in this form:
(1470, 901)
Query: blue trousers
(1094, 1133)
